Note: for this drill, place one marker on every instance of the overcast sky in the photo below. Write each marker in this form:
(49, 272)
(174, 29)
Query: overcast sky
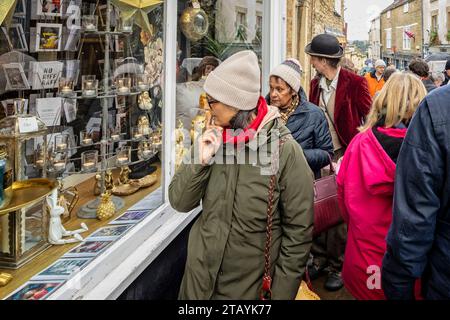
(358, 15)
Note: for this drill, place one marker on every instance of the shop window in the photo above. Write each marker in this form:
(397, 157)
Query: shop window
(199, 53)
(46, 56)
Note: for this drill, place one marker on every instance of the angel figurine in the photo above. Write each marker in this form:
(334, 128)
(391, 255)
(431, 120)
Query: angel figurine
(144, 101)
(144, 125)
(56, 230)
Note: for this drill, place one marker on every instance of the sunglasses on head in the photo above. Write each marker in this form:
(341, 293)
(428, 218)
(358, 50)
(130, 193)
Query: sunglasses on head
(211, 100)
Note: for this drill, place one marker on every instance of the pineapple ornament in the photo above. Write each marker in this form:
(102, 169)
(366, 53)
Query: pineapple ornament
(107, 208)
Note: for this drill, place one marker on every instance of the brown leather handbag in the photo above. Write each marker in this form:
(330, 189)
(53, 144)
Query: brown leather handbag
(326, 207)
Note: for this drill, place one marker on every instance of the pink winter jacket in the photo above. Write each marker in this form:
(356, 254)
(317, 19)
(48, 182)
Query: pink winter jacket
(365, 190)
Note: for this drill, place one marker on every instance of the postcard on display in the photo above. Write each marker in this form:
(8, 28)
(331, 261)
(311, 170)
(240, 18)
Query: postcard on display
(110, 232)
(15, 77)
(49, 111)
(88, 249)
(45, 75)
(70, 109)
(131, 217)
(63, 269)
(36, 290)
(52, 8)
(16, 37)
(48, 36)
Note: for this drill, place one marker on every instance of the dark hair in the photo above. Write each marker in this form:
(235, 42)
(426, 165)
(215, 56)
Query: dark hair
(242, 119)
(333, 62)
(419, 67)
(277, 78)
(388, 72)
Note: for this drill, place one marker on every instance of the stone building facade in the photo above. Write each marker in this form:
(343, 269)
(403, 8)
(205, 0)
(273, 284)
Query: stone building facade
(374, 51)
(401, 32)
(436, 23)
(306, 19)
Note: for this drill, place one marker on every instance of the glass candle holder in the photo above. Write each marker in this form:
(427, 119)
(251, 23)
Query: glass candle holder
(142, 83)
(90, 23)
(59, 162)
(137, 134)
(39, 157)
(89, 160)
(145, 150)
(66, 86)
(115, 135)
(123, 156)
(61, 142)
(126, 25)
(86, 138)
(89, 86)
(19, 106)
(123, 85)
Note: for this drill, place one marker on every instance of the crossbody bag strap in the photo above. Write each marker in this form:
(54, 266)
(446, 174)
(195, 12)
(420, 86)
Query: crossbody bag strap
(266, 292)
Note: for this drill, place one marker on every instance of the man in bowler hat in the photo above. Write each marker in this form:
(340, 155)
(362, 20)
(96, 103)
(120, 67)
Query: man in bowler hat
(344, 97)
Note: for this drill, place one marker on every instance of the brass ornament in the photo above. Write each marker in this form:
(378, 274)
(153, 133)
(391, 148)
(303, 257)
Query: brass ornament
(144, 101)
(5, 278)
(124, 175)
(194, 22)
(106, 209)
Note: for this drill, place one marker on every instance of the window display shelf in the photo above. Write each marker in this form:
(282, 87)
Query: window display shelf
(137, 248)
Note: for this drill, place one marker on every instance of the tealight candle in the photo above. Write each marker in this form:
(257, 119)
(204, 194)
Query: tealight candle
(39, 163)
(66, 89)
(115, 137)
(87, 166)
(87, 141)
(122, 161)
(138, 136)
(59, 166)
(90, 26)
(126, 28)
(146, 153)
(142, 86)
(124, 89)
(61, 147)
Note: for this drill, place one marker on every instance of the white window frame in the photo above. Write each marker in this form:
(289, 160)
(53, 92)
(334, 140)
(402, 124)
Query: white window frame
(338, 7)
(406, 7)
(406, 39)
(388, 14)
(388, 38)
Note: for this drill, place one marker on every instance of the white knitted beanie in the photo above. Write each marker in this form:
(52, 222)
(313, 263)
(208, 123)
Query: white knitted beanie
(236, 82)
(290, 71)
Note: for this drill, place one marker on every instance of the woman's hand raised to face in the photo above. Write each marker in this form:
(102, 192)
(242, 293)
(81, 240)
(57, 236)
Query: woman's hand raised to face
(209, 141)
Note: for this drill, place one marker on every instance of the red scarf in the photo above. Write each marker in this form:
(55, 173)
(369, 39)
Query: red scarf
(248, 133)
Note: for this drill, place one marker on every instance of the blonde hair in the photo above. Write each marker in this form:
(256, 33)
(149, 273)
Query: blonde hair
(397, 101)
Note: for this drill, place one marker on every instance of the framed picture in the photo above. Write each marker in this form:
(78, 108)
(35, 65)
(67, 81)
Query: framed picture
(110, 232)
(48, 36)
(15, 77)
(16, 37)
(35, 290)
(131, 217)
(88, 249)
(52, 8)
(119, 43)
(21, 9)
(63, 269)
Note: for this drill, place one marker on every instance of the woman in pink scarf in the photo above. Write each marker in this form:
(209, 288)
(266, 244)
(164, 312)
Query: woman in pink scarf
(366, 183)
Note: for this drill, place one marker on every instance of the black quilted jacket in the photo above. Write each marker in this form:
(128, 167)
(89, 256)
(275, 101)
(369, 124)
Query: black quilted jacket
(309, 128)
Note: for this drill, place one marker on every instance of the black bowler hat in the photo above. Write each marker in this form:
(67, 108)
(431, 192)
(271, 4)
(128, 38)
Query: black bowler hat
(326, 46)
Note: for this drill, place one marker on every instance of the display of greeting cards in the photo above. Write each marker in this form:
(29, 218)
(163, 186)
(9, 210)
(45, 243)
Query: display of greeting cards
(110, 232)
(63, 269)
(45, 75)
(50, 8)
(15, 77)
(131, 217)
(16, 37)
(48, 36)
(88, 249)
(35, 290)
(49, 111)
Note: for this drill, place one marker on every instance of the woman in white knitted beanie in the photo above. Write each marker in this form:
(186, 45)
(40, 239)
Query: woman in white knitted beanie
(305, 120)
(226, 249)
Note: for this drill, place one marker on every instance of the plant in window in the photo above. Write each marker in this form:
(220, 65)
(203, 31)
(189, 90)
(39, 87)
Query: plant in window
(434, 38)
